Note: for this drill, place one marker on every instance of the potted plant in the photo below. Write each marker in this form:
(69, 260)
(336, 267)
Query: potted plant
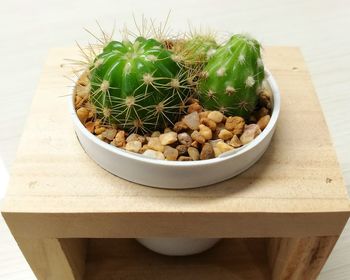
(176, 113)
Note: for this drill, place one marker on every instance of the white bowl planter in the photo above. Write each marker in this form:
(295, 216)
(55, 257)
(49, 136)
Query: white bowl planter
(175, 174)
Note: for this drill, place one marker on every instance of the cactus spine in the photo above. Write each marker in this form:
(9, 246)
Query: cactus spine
(137, 85)
(232, 77)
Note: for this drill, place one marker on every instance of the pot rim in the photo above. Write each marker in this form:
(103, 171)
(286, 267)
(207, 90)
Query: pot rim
(223, 157)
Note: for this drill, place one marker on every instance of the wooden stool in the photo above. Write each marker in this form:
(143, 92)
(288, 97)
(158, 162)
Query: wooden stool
(280, 219)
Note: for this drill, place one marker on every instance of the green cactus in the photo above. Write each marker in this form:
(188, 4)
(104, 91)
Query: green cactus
(232, 76)
(196, 50)
(137, 85)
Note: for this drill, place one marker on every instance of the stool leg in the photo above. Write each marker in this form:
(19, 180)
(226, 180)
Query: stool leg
(55, 258)
(299, 258)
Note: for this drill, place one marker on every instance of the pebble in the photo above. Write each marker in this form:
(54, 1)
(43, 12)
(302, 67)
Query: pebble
(262, 122)
(194, 107)
(83, 114)
(154, 144)
(235, 124)
(209, 123)
(136, 137)
(262, 112)
(192, 120)
(180, 126)
(153, 154)
(235, 142)
(99, 130)
(224, 134)
(90, 126)
(196, 136)
(193, 153)
(133, 146)
(223, 147)
(265, 98)
(204, 114)
(182, 149)
(170, 153)
(249, 133)
(207, 152)
(205, 132)
(167, 129)
(185, 139)
(168, 138)
(184, 158)
(156, 134)
(216, 116)
(119, 139)
(195, 144)
(110, 133)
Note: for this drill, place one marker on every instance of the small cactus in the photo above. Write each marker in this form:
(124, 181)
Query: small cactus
(232, 77)
(137, 86)
(195, 50)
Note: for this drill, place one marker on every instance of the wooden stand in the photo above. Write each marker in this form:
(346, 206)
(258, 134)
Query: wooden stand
(280, 219)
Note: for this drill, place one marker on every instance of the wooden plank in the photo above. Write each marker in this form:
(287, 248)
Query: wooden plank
(299, 258)
(126, 259)
(109, 225)
(52, 259)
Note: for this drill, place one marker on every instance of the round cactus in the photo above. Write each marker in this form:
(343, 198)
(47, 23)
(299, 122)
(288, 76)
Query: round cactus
(232, 76)
(137, 85)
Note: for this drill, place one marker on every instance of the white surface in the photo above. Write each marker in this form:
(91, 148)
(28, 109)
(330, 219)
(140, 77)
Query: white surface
(319, 27)
(178, 246)
(175, 174)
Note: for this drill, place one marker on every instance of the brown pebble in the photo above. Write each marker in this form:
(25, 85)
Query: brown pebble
(204, 114)
(261, 113)
(205, 132)
(110, 133)
(196, 136)
(184, 158)
(182, 149)
(207, 152)
(167, 129)
(136, 137)
(119, 139)
(216, 116)
(250, 132)
(168, 138)
(170, 153)
(235, 142)
(193, 153)
(195, 144)
(192, 120)
(185, 139)
(209, 123)
(180, 126)
(194, 107)
(235, 124)
(155, 144)
(133, 146)
(265, 98)
(99, 130)
(90, 126)
(83, 114)
(156, 134)
(263, 122)
(224, 134)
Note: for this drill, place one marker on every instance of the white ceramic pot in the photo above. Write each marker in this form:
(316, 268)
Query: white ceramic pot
(177, 174)
(178, 246)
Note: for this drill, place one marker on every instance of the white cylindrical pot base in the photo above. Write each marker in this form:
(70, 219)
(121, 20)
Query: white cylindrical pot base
(178, 246)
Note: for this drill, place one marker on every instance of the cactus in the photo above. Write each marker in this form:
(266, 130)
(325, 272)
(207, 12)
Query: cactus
(232, 77)
(196, 50)
(137, 86)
